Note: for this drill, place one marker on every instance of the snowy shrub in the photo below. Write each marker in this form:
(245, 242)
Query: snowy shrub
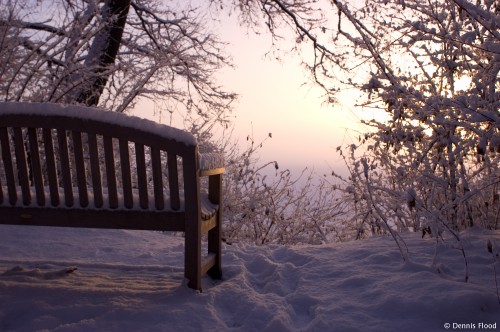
(435, 162)
(265, 204)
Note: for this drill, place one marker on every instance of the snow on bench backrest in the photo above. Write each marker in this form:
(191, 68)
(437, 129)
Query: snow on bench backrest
(95, 114)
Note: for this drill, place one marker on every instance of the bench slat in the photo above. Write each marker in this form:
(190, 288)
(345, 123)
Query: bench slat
(65, 167)
(81, 177)
(51, 166)
(110, 172)
(173, 181)
(36, 170)
(126, 176)
(90, 218)
(7, 162)
(141, 175)
(157, 178)
(95, 170)
(22, 169)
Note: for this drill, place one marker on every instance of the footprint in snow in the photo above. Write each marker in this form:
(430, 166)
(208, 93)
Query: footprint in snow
(37, 273)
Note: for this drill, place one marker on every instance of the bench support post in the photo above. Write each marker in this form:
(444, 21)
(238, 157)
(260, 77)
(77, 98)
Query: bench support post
(215, 234)
(192, 245)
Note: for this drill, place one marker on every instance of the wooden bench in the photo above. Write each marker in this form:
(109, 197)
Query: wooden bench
(73, 166)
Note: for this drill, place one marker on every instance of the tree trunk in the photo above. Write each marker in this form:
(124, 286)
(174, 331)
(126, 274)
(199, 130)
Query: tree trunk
(103, 52)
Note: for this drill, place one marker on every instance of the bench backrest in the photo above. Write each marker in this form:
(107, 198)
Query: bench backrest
(68, 156)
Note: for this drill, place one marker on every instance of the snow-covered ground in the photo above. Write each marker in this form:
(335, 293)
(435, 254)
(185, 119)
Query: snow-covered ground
(54, 279)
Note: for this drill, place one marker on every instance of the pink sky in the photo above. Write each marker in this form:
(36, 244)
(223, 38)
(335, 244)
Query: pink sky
(276, 97)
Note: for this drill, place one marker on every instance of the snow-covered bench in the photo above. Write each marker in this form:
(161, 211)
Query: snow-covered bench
(73, 166)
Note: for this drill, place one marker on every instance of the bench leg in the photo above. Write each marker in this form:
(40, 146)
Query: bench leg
(214, 246)
(215, 234)
(192, 258)
(192, 243)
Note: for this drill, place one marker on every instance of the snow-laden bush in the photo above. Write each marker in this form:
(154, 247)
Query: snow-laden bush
(264, 204)
(434, 164)
(425, 194)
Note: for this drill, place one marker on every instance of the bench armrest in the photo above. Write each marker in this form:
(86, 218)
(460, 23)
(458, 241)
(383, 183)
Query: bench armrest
(211, 164)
